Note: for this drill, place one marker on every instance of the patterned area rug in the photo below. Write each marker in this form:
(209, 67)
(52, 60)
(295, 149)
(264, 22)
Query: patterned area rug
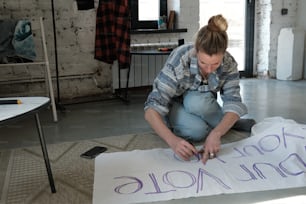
(23, 177)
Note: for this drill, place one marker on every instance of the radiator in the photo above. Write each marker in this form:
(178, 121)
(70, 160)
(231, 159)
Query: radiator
(144, 68)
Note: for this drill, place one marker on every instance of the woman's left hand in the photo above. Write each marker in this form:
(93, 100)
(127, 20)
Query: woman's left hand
(211, 147)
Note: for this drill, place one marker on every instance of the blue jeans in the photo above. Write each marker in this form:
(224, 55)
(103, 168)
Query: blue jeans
(196, 116)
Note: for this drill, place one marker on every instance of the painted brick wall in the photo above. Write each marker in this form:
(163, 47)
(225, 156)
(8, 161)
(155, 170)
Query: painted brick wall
(269, 22)
(145, 68)
(80, 75)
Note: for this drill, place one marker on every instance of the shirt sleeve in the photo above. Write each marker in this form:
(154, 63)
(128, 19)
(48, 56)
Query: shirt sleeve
(230, 92)
(168, 84)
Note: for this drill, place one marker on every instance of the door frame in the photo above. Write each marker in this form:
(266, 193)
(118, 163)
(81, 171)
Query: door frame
(249, 39)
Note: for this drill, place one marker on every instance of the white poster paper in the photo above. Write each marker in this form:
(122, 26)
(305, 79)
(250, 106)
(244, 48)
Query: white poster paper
(273, 158)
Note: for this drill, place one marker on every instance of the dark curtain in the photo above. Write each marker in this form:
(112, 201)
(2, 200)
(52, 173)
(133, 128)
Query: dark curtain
(85, 4)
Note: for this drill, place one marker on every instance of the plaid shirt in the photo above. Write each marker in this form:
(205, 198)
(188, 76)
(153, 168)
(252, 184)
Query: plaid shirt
(181, 73)
(113, 32)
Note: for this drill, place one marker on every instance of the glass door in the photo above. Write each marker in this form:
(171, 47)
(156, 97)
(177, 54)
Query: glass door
(240, 16)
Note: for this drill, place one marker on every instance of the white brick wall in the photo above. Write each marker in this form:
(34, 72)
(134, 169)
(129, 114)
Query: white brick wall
(75, 47)
(269, 23)
(262, 36)
(75, 40)
(145, 68)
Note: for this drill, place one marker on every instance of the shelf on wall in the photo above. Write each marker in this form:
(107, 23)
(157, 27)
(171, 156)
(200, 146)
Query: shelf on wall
(152, 31)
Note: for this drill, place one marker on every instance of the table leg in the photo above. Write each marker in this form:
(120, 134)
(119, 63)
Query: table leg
(127, 83)
(45, 153)
(119, 94)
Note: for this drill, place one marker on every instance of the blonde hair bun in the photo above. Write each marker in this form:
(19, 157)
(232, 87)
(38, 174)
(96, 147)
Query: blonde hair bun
(217, 23)
(212, 38)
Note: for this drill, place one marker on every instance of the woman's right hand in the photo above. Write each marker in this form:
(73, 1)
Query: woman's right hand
(183, 149)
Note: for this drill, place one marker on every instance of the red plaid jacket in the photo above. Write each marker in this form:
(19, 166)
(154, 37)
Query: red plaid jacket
(113, 32)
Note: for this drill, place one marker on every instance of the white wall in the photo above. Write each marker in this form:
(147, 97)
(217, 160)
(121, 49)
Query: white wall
(278, 22)
(262, 36)
(266, 48)
(75, 45)
(75, 35)
(145, 68)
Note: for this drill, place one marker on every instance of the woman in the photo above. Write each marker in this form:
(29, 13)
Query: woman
(183, 107)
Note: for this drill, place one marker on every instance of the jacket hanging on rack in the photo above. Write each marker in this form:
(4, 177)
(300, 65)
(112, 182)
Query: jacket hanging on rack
(113, 32)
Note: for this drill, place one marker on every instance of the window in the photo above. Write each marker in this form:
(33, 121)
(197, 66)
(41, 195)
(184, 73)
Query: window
(148, 10)
(145, 13)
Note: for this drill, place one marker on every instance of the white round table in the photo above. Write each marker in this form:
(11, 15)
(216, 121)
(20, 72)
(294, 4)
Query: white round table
(29, 106)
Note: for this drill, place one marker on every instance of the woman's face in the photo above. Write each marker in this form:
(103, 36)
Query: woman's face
(209, 63)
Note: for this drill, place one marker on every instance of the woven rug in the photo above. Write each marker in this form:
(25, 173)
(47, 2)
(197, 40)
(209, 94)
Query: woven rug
(23, 177)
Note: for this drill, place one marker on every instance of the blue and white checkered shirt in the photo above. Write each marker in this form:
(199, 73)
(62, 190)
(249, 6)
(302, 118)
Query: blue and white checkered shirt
(181, 73)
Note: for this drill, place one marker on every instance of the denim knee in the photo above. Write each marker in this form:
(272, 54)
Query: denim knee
(195, 133)
(200, 104)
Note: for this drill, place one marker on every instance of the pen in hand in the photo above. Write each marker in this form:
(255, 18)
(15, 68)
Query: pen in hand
(199, 153)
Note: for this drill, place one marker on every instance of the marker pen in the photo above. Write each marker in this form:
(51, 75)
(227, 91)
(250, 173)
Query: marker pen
(10, 101)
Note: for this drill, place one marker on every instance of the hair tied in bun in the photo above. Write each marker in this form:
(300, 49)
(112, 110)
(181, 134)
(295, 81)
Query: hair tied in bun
(217, 23)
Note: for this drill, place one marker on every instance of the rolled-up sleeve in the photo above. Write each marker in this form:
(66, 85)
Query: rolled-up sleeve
(230, 92)
(164, 89)
(170, 82)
